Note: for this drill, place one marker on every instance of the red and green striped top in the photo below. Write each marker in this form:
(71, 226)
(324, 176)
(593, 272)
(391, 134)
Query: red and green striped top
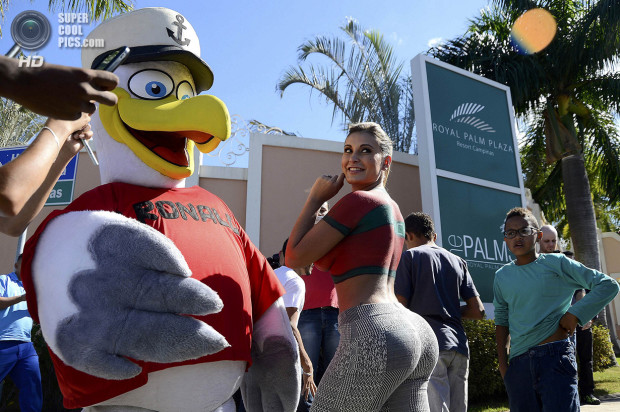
(374, 233)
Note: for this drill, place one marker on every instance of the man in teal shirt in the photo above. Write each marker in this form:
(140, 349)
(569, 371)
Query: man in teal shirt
(534, 318)
(18, 359)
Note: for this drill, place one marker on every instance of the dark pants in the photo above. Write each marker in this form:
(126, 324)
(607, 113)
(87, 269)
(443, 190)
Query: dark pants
(319, 333)
(544, 379)
(239, 401)
(20, 361)
(584, 354)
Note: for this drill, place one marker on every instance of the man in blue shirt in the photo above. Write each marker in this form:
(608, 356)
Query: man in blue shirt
(431, 282)
(18, 359)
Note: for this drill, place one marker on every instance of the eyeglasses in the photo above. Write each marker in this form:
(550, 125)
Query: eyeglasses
(526, 231)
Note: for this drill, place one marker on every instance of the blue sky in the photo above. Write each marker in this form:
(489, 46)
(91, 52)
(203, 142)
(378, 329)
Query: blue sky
(249, 45)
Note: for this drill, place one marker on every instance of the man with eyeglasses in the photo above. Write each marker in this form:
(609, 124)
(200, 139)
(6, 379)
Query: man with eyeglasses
(534, 318)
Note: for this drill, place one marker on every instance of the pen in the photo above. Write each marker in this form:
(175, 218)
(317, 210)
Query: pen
(91, 154)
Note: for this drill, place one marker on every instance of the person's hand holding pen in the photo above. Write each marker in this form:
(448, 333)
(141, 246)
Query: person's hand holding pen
(76, 141)
(85, 143)
(70, 134)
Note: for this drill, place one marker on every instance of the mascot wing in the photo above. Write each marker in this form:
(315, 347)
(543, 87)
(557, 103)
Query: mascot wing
(104, 281)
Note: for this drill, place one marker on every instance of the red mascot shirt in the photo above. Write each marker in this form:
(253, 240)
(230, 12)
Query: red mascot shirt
(218, 252)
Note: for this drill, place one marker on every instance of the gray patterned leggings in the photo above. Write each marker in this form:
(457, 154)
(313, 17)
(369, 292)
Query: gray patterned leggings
(383, 362)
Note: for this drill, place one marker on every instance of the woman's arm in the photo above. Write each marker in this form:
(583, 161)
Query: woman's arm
(309, 242)
(22, 177)
(15, 225)
(306, 364)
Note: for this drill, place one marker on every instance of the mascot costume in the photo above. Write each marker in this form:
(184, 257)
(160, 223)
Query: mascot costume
(150, 295)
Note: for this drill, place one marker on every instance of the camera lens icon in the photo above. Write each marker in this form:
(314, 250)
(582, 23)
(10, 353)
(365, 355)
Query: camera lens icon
(31, 30)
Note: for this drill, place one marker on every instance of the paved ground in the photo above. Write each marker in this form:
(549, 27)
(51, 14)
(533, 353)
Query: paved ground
(609, 403)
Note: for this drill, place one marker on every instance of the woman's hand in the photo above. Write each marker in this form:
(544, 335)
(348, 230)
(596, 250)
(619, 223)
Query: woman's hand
(65, 128)
(326, 187)
(73, 144)
(308, 385)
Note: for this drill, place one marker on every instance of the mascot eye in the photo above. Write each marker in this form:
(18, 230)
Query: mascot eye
(185, 90)
(151, 84)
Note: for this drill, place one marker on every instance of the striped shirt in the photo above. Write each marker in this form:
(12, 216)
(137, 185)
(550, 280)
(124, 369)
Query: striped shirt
(374, 233)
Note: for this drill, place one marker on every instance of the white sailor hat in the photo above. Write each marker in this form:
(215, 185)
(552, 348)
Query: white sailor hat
(153, 33)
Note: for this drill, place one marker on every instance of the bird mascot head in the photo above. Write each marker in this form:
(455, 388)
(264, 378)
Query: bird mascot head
(148, 138)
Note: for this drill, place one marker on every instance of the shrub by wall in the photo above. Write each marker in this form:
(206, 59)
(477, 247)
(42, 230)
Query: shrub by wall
(603, 356)
(484, 378)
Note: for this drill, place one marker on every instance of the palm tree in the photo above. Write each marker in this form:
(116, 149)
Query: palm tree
(363, 81)
(567, 95)
(17, 124)
(96, 9)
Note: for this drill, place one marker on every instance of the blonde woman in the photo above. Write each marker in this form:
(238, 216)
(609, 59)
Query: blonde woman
(386, 353)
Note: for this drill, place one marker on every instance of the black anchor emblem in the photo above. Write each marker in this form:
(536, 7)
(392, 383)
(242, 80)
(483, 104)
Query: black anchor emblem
(179, 39)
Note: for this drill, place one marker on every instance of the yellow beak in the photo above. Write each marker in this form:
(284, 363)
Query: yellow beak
(162, 133)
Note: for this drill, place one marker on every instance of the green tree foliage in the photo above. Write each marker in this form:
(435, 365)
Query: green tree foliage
(363, 81)
(567, 96)
(96, 9)
(17, 124)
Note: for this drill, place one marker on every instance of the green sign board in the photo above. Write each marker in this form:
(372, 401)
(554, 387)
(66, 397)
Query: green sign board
(475, 233)
(471, 127)
(470, 174)
(62, 193)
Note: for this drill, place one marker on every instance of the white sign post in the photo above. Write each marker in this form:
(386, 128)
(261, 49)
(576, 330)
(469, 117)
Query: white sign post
(470, 171)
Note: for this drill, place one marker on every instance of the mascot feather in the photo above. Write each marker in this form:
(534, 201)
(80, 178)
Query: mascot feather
(150, 295)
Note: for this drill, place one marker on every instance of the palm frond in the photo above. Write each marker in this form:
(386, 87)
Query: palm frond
(96, 9)
(598, 31)
(604, 88)
(602, 154)
(517, 5)
(363, 80)
(3, 5)
(17, 124)
(319, 79)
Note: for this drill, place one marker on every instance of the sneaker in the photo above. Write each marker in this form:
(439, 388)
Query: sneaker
(590, 400)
